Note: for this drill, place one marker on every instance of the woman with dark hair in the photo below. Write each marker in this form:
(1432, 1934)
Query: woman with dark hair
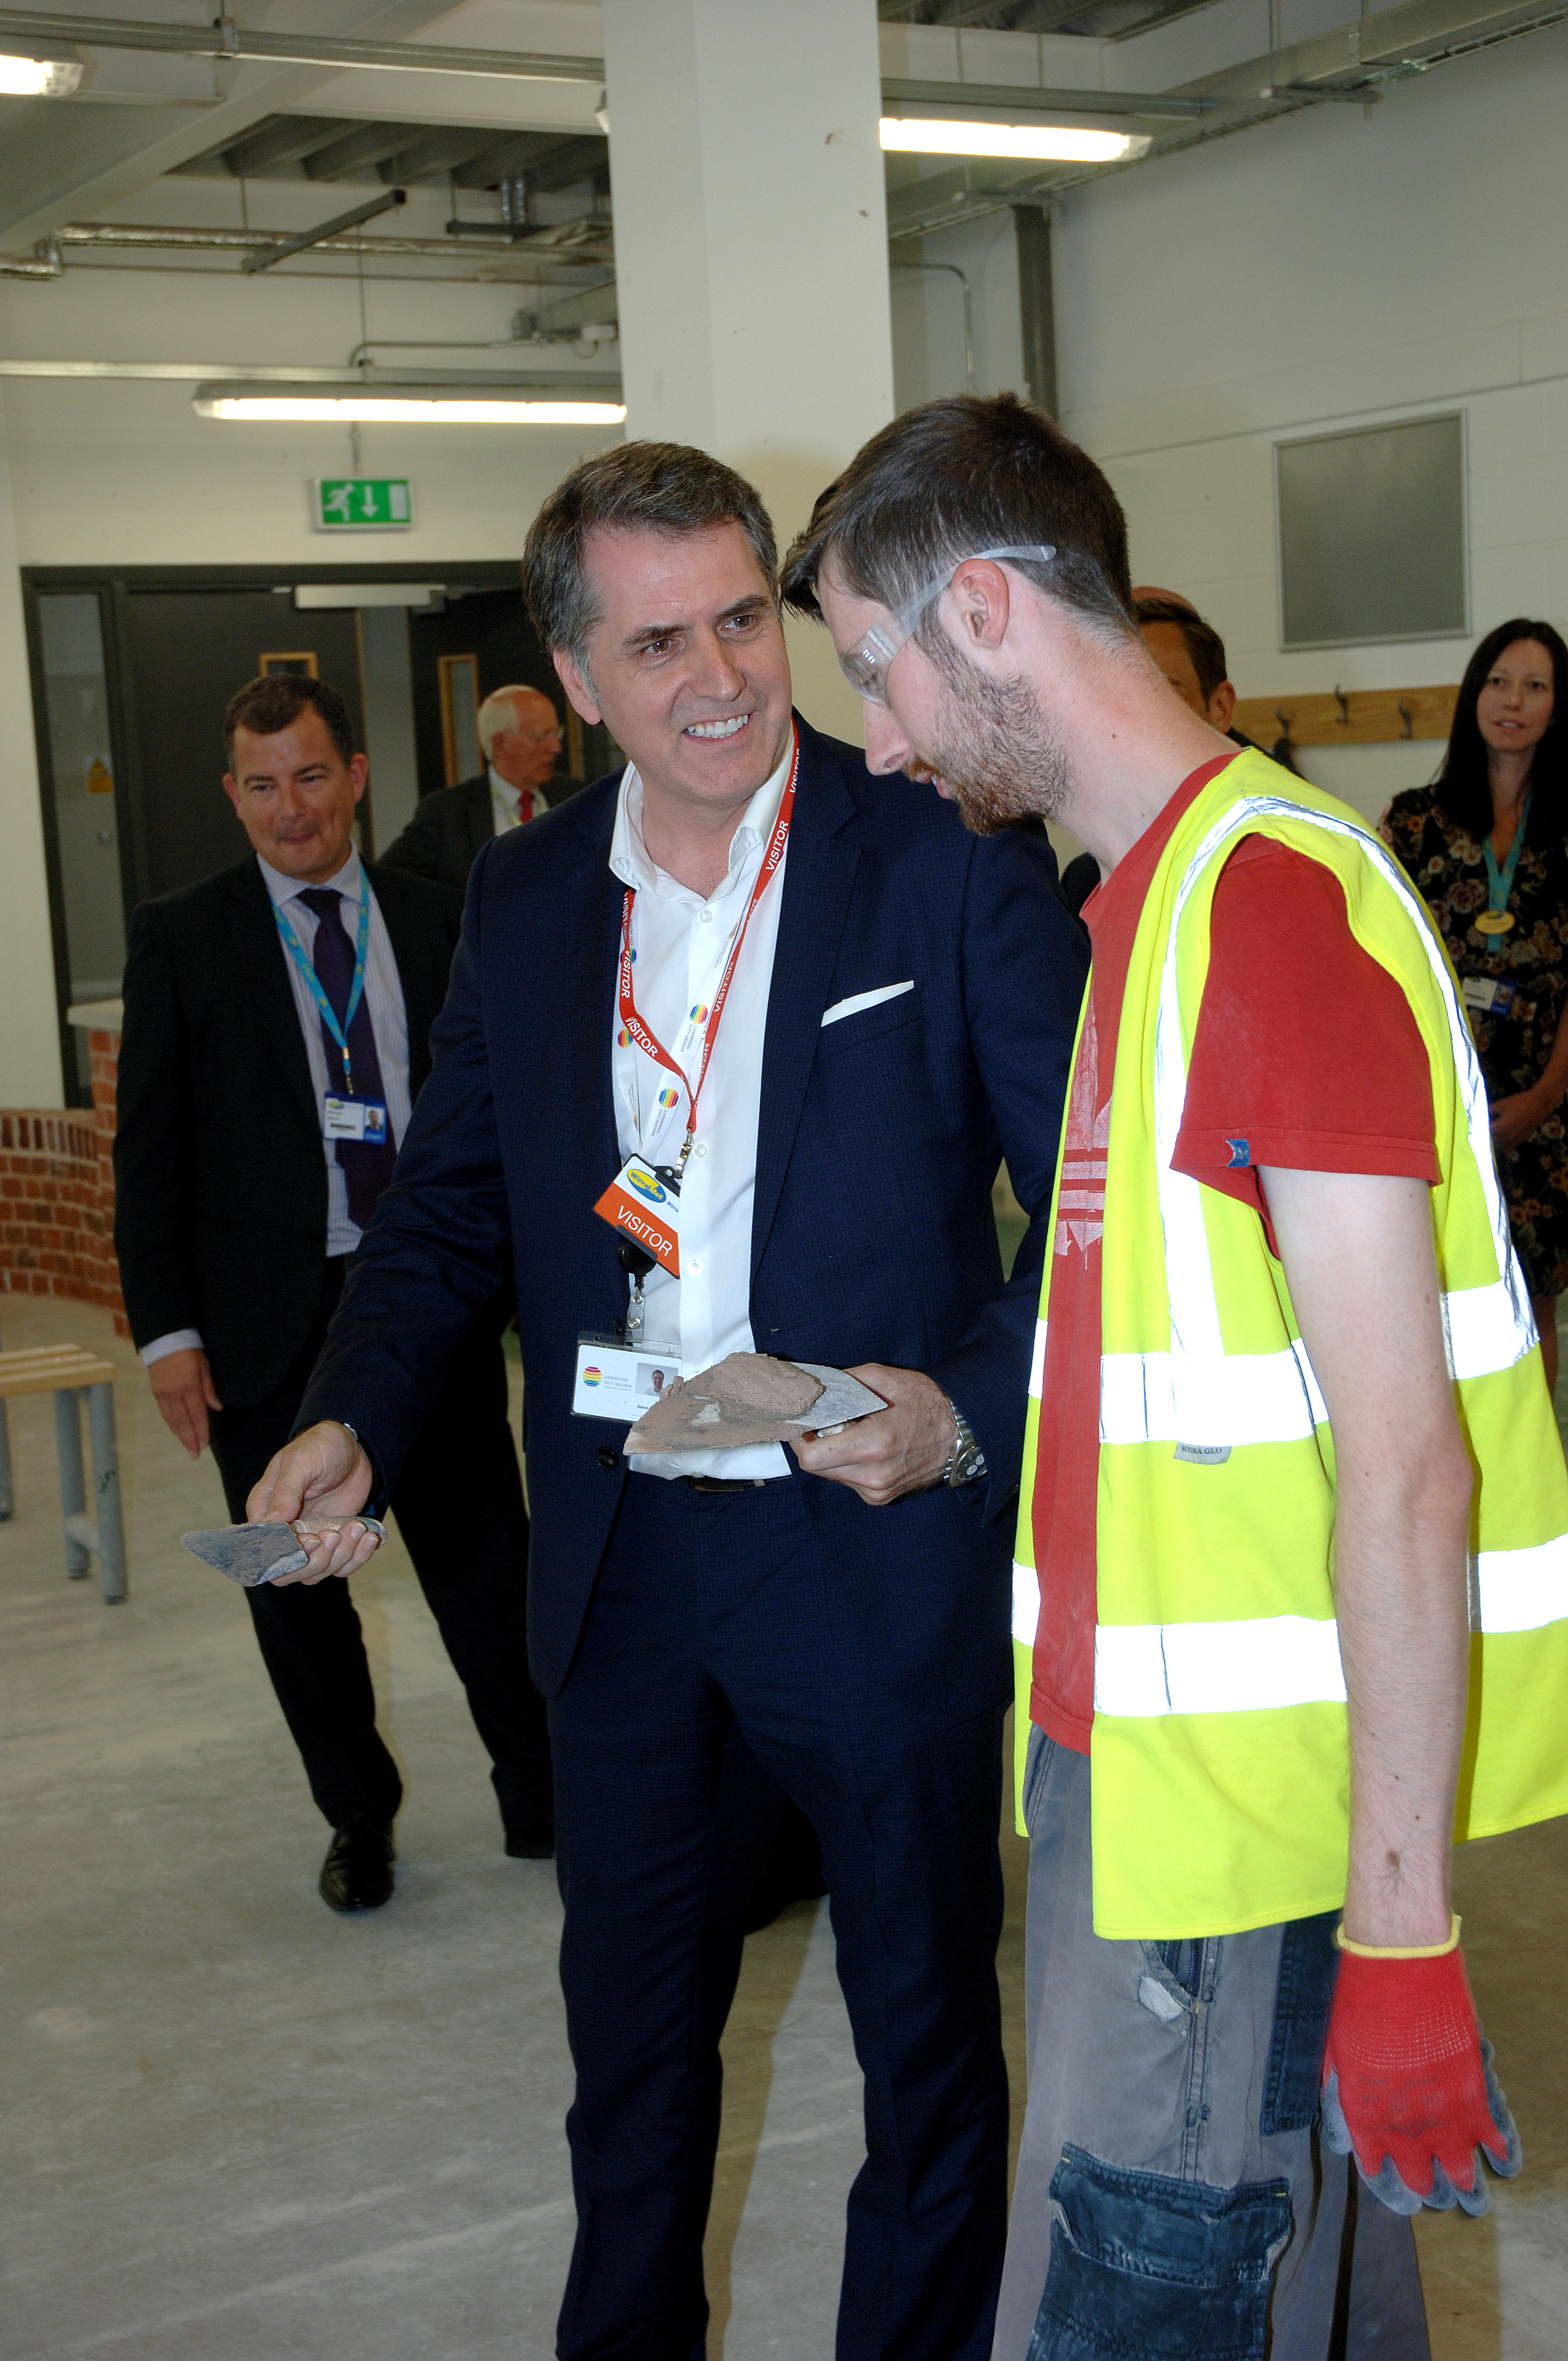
(1484, 846)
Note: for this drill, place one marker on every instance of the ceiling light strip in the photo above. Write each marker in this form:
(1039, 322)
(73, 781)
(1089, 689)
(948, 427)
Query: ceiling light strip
(1046, 143)
(463, 403)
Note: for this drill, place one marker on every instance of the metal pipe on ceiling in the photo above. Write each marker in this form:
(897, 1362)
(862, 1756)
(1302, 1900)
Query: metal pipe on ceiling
(267, 258)
(246, 241)
(225, 39)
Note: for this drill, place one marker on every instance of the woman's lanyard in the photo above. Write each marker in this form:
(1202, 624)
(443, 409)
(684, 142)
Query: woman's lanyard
(1497, 919)
(633, 1027)
(301, 960)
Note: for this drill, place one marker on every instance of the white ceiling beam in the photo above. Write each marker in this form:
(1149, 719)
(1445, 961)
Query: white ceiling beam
(59, 161)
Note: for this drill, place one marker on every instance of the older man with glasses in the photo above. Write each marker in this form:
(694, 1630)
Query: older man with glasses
(519, 736)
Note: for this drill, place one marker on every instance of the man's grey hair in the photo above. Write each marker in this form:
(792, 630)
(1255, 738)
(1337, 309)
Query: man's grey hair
(665, 487)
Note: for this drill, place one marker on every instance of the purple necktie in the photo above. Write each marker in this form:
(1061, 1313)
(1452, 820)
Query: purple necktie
(366, 1166)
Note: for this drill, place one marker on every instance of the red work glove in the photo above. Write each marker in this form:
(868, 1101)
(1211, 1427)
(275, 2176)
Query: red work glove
(1407, 2082)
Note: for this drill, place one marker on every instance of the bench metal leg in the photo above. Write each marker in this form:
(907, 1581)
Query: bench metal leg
(72, 1486)
(8, 1491)
(106, 1490)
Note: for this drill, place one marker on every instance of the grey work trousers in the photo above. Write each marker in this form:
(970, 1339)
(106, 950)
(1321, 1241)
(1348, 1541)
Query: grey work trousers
(1153, 2213)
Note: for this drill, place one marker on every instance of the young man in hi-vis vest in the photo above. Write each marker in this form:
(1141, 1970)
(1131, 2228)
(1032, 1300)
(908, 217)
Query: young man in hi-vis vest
(1292, 1559)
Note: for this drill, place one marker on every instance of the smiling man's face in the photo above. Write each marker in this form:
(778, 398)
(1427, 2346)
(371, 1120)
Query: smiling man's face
(295, 794)
(686, 667)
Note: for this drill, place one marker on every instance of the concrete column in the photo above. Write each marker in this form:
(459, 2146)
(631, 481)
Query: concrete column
(30, 1022)
(751, 237)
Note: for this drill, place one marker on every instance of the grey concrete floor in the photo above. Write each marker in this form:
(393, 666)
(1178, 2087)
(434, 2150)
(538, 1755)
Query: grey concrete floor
(238, 2127)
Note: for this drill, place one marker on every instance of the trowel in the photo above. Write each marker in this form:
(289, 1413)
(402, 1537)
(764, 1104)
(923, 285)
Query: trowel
(249, 1554)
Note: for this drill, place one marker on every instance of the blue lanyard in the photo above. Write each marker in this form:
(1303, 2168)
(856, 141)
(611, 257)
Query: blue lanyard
(297, 952)
(1500, 881)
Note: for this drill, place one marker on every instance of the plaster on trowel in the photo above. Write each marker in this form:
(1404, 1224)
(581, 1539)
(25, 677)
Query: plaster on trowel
(250, 1555)
(751, 1398)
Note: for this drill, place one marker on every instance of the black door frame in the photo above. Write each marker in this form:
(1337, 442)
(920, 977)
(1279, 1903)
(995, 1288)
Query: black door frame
(113, 585)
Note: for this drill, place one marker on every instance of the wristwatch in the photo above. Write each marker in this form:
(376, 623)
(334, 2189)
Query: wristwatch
(966, 1463)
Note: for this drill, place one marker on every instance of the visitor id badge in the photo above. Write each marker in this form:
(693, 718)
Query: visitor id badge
(1490, 996)
(613, 1381)
(362, 1119)
(644, 1200)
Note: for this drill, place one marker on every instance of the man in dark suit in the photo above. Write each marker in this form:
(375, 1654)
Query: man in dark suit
(519, 731)
(853, 1009)
(275, 1032)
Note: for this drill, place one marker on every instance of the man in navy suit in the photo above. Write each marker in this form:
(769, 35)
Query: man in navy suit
(814, 997)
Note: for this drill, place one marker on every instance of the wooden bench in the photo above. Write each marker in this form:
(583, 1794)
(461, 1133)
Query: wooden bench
(67, 1372)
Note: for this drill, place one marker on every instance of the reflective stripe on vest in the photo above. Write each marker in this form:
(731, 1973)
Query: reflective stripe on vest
(1198, 1394)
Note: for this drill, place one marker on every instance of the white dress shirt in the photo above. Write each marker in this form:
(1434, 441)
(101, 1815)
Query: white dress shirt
(506, 803)
(682, 942)
(388, 1022)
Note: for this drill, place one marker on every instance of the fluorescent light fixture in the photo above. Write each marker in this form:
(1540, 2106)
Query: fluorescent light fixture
(404, 405)
(38, 70)
(1044, 143)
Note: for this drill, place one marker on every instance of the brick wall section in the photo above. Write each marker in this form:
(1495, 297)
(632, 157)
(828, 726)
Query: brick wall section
(57, 1195)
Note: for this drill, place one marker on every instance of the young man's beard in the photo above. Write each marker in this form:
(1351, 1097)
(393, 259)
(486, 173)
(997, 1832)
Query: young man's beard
(998, 751)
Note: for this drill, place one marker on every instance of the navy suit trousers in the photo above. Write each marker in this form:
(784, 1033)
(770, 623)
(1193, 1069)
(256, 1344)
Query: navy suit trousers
(716, 1669)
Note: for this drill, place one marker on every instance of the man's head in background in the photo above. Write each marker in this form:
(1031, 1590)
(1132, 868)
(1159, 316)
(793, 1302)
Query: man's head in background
(904, 550)
(519, 731)
(1188, 651)
(293, 776)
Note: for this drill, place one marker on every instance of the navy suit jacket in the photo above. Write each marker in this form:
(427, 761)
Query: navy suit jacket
(872, 1237)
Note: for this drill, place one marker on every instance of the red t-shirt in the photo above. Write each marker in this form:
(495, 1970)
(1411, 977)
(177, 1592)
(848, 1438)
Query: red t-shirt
(1304, 1052)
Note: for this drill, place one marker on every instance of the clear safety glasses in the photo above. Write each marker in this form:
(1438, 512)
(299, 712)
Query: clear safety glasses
(866, 667)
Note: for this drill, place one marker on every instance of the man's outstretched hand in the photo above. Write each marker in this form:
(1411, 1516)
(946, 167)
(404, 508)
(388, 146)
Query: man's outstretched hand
(321, 1473)
(905, 1448)
(1409, 2085)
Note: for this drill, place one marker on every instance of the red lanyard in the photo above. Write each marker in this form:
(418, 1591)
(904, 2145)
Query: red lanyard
(648, 1042)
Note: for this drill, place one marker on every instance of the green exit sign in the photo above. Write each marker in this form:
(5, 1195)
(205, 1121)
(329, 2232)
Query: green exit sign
(363, 503)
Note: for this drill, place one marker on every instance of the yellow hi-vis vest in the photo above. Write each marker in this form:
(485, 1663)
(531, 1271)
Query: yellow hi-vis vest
(1220, 1750)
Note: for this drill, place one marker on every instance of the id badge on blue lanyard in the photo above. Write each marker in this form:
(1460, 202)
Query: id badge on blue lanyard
(345, 1115)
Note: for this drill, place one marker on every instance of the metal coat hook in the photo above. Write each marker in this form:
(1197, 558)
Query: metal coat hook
(1344, 703)
(1408, 718)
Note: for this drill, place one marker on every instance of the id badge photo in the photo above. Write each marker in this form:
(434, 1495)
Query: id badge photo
(616, 1381)
(359, 1119)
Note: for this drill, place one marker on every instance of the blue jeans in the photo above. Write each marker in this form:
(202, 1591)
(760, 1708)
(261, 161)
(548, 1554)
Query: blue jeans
(1172, 2196)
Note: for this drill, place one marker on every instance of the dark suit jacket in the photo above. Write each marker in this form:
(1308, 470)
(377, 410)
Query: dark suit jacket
(448, 830)
(872, 1235)
(220, 1182)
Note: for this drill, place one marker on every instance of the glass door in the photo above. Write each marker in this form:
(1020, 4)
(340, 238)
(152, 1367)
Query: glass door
(77, 754)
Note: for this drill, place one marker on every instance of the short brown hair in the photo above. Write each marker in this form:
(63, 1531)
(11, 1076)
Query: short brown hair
(1204, 646)
(275, 701)
(668, 487)
(954, 476)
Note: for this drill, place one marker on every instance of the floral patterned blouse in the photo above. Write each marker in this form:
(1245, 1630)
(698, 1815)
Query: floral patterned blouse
(1515, 1038)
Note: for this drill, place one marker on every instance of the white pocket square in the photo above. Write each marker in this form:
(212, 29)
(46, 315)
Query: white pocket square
(859, 1000)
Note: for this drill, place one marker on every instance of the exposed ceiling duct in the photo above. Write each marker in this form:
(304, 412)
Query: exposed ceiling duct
(225, 39)
(1356, 62)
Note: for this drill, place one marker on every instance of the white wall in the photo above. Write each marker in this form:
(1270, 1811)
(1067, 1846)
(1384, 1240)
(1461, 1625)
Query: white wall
(124, 473)
(1339, 268)
(928, 312)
